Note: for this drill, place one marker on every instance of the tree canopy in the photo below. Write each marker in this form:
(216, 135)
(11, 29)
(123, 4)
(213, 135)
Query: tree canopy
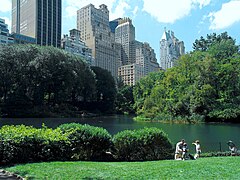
(205, 84)
(35, 79)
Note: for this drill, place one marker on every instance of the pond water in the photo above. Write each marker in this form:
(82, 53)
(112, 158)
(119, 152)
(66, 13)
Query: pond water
(213, 137)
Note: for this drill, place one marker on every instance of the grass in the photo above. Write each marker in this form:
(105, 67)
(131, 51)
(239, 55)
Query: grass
(203, 168)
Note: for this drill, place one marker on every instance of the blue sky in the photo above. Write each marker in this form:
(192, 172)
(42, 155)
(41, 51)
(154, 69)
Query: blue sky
(189, 19)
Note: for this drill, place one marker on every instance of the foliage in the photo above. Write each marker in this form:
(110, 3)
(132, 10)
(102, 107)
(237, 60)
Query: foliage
(27, 144)
(203, 168)
(205, 84)
(105, 90)
(143, 89)
(124, 100)
(203, 44)
(141, 145)
(34, 79)
(86, 142)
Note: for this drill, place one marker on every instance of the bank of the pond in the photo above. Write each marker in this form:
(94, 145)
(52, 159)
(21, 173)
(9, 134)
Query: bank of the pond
(170, 119)
(203, 168)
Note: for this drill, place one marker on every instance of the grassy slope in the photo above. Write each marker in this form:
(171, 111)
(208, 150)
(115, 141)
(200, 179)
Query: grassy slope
(205, 168)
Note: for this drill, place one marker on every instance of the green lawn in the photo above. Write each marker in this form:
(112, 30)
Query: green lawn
(205, 168)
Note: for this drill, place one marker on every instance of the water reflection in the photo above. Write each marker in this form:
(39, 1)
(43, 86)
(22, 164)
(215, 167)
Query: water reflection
(210, 135)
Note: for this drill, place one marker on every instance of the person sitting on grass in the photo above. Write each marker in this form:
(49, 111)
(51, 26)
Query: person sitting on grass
(198, 149)
(232, 147)
(184, 151)
(179, 150)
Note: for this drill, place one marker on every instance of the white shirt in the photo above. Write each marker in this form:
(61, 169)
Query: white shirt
(178, 147)
(198, 148)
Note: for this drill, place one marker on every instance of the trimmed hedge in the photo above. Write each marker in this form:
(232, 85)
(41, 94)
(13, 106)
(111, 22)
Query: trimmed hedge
(142, 145)
(87, 142)
(20, 144)
(23, 144)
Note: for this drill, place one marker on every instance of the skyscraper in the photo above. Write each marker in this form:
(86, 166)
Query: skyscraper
(138, 59)
(40, 19)
(170, 49)
(96, 33)
(114, 23)
(125, 35)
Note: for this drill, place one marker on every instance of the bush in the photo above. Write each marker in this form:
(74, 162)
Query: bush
(20, 144)
(143, 144)
(86, 142)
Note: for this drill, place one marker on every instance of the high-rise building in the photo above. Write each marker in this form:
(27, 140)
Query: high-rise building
(170, 49)
(4, 33)
(138, 59)
(96, 33)
(39, 19)
(114, 23)
(146, 57)
(73, 44)
(125, 35)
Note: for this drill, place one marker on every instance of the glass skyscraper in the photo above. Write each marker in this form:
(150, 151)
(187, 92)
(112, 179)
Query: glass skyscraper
(40, 19)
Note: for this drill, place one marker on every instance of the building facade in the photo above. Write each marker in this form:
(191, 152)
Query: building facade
(125, 36)
(74, 45)
(170, 49)
(138, 59)
(113, 24)
(146, 57)
(39, 19)
(5, 38)
(22, 39)
(96, 33)
(130, 74)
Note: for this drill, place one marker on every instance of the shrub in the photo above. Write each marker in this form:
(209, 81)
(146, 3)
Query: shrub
(20, 144)
(143, 144)
(86, 142)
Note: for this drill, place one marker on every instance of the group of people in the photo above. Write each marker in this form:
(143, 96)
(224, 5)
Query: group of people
(181, 152)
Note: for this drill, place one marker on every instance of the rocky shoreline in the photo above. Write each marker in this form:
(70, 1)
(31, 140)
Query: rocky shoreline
(9, 176)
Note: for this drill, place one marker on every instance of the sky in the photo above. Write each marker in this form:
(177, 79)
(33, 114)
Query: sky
(188, 19)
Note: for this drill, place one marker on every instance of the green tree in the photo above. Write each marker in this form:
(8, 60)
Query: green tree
(143, 89)
(105, 89)
(33, 77)
(124, 100)
(203, 44)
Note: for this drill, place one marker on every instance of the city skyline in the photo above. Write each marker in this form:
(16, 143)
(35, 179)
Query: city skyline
(189, 19)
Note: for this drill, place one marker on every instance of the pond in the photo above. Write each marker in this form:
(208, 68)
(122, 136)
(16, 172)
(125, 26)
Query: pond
(213, 137)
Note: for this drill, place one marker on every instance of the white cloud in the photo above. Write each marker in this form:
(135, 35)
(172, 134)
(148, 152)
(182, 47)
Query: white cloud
(202, 3)
(5, 5)
(71, 11)
(135, 10)
(119, 11)
(116, 8)
(227, 16)
(168, 11)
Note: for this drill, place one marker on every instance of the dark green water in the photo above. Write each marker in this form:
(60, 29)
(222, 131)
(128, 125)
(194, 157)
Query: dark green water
(213, 137)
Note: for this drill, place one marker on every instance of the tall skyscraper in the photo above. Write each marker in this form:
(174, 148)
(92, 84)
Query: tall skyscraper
(96, 33)
(125, 35)
(40, 19)
(114, 23)
(170, 49)
(138, 59)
